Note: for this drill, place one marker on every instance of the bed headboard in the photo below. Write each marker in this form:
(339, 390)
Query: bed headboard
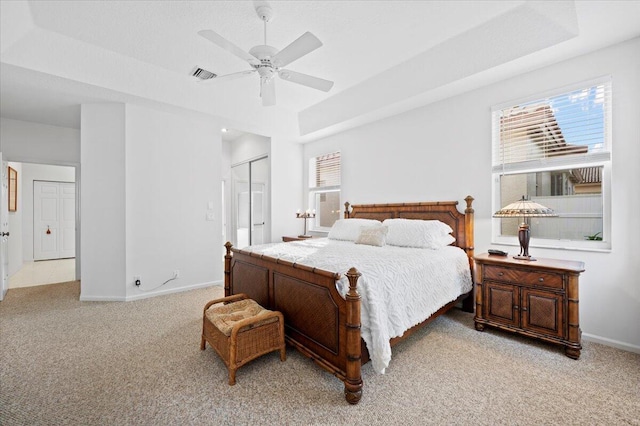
(444, 211)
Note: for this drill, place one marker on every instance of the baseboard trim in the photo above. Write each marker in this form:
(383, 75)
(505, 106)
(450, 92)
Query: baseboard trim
(101, 299)
(130, 298)
(610, 342)
(173, 290)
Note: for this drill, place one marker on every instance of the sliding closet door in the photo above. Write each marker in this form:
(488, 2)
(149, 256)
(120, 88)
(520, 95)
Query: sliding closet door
(250, 189)
(259, 200)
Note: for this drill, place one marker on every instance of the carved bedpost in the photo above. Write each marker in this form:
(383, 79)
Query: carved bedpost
(347, 208)
(227, 269)
(468, 303)
(353, 379)
(468, 226)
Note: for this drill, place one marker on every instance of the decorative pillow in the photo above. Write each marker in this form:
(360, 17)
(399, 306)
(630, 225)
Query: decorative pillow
(349, 229)
(418, 233)
(372, 235)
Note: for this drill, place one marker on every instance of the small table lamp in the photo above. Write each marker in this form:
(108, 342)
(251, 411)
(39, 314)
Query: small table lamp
(524, 208)
(306, 215)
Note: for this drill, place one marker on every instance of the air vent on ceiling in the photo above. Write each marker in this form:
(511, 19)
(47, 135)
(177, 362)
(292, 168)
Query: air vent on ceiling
(203, 74)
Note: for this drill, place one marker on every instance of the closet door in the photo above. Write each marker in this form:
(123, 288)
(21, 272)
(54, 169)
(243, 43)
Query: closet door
(250, 202)
(53, 220)
(259, 198)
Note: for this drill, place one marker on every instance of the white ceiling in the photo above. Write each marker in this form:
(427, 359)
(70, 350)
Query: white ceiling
(384, 56)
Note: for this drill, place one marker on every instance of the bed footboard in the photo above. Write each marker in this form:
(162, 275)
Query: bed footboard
(319, 322)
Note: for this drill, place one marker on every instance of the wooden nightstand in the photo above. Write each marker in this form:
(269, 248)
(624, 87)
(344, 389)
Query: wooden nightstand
(534, 298)
(287, 239)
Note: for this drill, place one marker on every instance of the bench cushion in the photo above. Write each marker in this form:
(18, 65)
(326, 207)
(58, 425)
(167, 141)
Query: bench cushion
(225, 317)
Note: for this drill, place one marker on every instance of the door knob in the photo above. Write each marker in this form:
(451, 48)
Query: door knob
(4, 234)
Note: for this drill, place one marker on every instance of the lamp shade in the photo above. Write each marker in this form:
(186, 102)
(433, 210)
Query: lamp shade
(524, 208)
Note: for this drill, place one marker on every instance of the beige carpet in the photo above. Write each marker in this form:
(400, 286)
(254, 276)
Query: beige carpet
(66, 362)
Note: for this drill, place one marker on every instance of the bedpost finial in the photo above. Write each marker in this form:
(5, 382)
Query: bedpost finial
(469, 199)
(228, 246)
(347, 209)
(353, 275)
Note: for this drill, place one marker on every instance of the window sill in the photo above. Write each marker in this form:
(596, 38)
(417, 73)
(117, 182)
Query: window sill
(591, 246)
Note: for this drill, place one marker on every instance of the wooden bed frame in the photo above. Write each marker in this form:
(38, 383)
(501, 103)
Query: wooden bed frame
(319, 322)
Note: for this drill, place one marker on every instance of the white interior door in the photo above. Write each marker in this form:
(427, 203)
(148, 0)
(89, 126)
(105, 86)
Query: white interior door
(53, 220)
(4, 231)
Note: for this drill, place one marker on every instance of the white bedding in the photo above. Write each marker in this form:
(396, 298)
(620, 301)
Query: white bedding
(400, 287)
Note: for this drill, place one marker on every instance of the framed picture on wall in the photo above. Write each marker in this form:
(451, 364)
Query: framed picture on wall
(13, 190)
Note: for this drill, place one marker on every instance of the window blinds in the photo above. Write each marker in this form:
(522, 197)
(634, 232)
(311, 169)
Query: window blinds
(325, 171)
(565, 129)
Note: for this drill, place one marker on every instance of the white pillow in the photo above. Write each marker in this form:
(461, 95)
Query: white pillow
(418, 233)
(443, 241)
(372, 235)
(349, 229)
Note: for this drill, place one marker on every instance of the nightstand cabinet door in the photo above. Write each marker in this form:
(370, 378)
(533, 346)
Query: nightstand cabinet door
(543, 312)
(502, 304)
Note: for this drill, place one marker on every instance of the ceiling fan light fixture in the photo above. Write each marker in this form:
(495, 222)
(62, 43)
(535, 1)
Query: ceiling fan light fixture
(263, 52)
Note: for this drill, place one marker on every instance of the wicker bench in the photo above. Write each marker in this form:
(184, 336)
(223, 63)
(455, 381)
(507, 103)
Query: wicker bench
(240, 330)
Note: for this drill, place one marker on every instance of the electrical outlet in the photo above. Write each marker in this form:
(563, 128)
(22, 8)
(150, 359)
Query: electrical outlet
(137, 281)
(176, 273)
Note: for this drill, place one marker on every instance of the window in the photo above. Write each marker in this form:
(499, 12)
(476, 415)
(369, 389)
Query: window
(556, 151)
(324, 190)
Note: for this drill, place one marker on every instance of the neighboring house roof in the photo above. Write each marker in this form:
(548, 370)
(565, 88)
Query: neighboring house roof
(540, 125)
(587, 175)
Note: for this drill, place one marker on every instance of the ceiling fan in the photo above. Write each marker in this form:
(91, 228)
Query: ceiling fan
(268, 62)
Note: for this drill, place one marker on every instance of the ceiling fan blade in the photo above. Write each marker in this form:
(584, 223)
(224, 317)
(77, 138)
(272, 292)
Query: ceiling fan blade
(268, 91)
(306, 80)
(217, 39)
(227, 77)
(304, 44)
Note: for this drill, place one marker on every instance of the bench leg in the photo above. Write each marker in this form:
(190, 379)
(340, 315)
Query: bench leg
(232, 376)
(202, 343)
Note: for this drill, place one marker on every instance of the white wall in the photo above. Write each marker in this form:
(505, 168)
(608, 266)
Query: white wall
(31, 172)
(173, 172)
(102, 202)
(443, 151)
(286, 187)
(248, 147)
(39, 143)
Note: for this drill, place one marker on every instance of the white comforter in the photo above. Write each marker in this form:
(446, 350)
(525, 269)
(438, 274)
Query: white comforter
(400, 287)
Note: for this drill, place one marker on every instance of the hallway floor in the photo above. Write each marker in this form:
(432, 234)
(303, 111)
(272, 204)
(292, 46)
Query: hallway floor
(44, 272)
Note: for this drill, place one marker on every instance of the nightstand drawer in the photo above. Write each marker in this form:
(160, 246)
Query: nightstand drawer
(520, 276)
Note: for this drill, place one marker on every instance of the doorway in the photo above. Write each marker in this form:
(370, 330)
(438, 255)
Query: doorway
(47, 201)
